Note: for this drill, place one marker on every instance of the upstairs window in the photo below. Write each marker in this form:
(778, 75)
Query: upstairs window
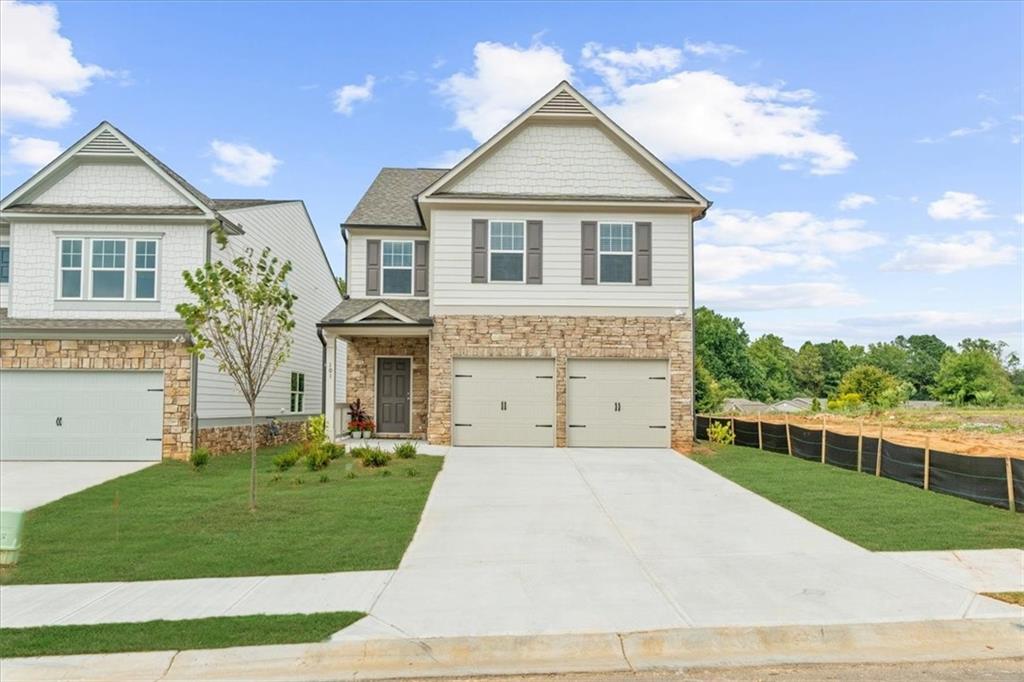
(507, 251)
(71, 268)
(108, 268)
(5, 264)
(615, 251)
(145, 269)
(396, 267)
(297, 392)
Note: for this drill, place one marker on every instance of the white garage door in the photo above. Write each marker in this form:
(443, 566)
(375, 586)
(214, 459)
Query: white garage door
(81, 415)
(618, 403)
(503, 402)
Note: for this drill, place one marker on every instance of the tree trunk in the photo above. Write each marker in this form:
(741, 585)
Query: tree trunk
(252, 457)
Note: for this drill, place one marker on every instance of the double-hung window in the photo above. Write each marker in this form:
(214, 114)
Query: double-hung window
(71, 268)
(507, 253)
(297, 392)
(5, 264)
(615, 253)
(108, 268)
(396, 267)
(145, 269)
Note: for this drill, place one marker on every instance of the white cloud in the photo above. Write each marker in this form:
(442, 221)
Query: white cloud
(719, 185)
(242, 164)
(710, 49)
(799, 230)
(958, 252)
(735, 298)
(38, 68)
(346, 97)
(853, 201)
(724, 263)
(959, 206)
(33, 151)
(983, 127)
(618, 67)
(1019, 217)
(448, 158)
(504, 81)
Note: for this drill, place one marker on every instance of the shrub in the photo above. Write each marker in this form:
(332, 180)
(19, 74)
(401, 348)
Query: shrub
(199, 458)
(335, 450)
(350, 474)
(318, 458)
(314, 431)
(411, 472)
(287, 459)
(375, 457)
(721, 432)
(405, 450)
(323, 478)
(846, 402)
(815, 405)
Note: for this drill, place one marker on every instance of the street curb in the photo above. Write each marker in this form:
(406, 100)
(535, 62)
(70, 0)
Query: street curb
(498, 655)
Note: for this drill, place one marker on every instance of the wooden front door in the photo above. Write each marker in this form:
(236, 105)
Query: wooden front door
(393, 379)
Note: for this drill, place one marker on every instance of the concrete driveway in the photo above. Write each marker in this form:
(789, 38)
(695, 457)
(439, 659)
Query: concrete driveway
(532, 541)
(25, 485)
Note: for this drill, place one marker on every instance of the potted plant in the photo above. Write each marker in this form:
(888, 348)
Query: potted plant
(357, 417)
(368, 427)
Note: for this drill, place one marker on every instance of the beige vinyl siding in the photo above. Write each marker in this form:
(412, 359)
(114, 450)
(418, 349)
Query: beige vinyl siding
(286, 229)
(357, 256)
(452, 291)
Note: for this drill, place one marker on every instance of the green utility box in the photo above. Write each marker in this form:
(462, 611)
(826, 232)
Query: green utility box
(11, 523)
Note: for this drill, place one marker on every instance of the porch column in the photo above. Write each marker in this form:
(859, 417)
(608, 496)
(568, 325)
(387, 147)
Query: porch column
(329, 382)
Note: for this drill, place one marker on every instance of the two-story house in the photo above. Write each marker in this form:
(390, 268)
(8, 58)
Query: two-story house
(538, 293)
(93, 356)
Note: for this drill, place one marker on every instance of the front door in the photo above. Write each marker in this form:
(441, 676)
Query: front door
(393, 379)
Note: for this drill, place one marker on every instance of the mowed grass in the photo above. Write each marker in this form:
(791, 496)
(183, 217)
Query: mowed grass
(169, 521)
(876, 513)
(172, 635)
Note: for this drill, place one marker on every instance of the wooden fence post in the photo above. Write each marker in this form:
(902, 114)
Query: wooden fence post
(927, 460)
(878, 455)
(1009, 485)
(789, 440)
(760, 438)
(824, 430)
(732, 426)
(860, 445)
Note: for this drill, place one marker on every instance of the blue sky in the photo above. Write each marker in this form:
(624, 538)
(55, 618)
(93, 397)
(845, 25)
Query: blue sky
(777, 112)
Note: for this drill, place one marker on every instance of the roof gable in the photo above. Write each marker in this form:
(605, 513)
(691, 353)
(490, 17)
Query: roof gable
(567, 130)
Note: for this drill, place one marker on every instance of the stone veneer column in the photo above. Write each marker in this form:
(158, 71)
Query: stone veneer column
(561, 338)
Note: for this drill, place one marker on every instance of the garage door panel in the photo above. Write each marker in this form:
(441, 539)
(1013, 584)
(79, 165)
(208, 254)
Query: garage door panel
(618, 403)
(502, 402)
(81, 415)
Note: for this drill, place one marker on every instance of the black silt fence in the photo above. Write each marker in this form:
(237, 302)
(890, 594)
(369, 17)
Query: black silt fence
(746, 433)
(870, 458)
(903, 463)
(700, 429)
(774, 437)
(1017, 471)
(841, 450)
(982, 479)
(806, 443)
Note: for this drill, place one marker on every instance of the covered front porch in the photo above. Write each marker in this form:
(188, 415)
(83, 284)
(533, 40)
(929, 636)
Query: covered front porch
(387, 365)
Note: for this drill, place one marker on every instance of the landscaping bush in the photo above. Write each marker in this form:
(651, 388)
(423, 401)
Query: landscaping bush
(360, 451)
(335, 450)
(318, 458)
(405, 450)
(287, 459)
(375, 457)
(199, 458)
(721, 433)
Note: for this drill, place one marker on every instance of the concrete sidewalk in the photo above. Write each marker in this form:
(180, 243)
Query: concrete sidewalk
(978, 570)
(88, 603)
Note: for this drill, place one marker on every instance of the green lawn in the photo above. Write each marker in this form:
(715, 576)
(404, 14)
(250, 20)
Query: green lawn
(876, 513)
(169, 521)
(172, 635)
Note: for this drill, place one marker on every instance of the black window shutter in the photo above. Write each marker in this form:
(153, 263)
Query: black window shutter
(420, 270)
(479, 255)
(534, 251)
(643, 254)
(588, 255)
(373, 267)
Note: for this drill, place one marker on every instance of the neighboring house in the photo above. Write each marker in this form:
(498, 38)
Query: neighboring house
(794, 405)
(744, 406)
(94, 356)
(538, 293)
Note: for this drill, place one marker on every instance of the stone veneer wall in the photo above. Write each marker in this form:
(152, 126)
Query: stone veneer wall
(560, 338)
(171, 357)
(221, 440)
(362, 369)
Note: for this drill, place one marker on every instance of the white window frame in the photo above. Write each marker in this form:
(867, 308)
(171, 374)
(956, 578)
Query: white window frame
(411, 267)
(80, 269)
(490, 250)
(293, 393)
(155, 269)
(125, 269)
(632, 252)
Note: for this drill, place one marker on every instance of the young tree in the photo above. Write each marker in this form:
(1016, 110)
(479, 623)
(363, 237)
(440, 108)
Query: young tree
(875, 386)
(243, 316)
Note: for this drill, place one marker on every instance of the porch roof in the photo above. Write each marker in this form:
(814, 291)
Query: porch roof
(379, 311)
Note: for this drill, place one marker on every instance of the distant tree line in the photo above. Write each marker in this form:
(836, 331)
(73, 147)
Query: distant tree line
(882, 375)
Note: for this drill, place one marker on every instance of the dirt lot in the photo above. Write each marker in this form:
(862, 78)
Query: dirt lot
(982, 432)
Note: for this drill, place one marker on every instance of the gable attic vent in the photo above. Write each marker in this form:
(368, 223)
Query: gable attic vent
(105, 143)
(563, 103)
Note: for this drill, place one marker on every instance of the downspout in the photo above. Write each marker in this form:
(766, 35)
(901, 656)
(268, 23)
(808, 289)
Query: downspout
(693, 326)
(323, 371)
(194, 379)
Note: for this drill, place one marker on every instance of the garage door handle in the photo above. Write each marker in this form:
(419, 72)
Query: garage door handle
(458, 424)
(155, 390)
(656, 427)
(155, 439)
(577, 426)
(542, 426)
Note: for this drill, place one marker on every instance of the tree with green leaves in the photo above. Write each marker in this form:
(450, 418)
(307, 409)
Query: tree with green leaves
(836, 360)
(809, 370)
(875, 386)
(924, 353)
(975, 376)
(342, 286)
(243, 315)
(707, 394)
(721, 342)
(889, 356)
(776, 361)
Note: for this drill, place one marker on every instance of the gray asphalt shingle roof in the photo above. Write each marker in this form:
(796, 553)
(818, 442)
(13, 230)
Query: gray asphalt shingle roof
(71, 325)
(391, 198)
(416, 309)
